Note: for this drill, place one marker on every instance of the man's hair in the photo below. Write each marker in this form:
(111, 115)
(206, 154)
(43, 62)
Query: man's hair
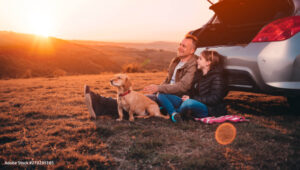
(193, 38)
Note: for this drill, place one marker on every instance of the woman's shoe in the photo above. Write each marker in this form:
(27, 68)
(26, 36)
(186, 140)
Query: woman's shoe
(175, 117)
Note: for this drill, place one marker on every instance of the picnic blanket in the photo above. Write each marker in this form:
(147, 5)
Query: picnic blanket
(221, 119)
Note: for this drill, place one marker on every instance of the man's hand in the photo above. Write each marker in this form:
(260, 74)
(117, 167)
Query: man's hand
(151, 89)
(185, 97)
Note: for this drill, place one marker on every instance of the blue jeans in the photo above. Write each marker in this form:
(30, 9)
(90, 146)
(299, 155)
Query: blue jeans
(173, 103)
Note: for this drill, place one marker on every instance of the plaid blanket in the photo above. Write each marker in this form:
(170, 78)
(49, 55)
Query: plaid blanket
(221, 119)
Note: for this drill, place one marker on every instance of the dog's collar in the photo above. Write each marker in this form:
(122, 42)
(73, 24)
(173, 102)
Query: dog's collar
(124, 94)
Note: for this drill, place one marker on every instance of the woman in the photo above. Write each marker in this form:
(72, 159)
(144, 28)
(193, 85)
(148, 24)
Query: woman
(207, 93)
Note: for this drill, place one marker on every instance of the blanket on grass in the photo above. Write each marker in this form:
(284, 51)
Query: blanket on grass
(221, 119)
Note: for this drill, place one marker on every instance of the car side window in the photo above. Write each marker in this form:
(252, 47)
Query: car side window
(216, 20)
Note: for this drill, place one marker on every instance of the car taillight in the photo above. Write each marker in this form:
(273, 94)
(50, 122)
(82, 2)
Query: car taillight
(278, 30)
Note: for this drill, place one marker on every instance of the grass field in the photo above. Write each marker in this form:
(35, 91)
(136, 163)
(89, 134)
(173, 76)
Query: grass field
(46, 119)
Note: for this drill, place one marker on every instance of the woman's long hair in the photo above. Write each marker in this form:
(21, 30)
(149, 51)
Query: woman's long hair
(216, 59)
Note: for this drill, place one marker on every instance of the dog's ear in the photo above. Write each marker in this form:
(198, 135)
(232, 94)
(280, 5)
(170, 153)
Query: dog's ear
(127, 84)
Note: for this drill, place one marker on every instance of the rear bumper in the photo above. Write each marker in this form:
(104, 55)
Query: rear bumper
(285, 85)
(268, 67)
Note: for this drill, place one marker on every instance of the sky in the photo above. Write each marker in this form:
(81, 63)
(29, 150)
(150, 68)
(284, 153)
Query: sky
(105, 20)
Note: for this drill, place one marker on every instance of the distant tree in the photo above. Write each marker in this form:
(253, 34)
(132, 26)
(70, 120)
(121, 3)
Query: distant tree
(132, 68)
(59, 72)
(27, 74)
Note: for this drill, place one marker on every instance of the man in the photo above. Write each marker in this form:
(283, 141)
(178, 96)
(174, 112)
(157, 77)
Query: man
(179, 80)
(181, 70)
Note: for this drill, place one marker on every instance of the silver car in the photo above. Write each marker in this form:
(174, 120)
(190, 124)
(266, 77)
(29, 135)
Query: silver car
(261, 42)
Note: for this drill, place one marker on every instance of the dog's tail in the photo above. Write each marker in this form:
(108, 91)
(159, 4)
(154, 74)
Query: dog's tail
(154, 110)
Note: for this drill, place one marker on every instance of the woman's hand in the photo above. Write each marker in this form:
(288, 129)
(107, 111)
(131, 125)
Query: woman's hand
(185, 97)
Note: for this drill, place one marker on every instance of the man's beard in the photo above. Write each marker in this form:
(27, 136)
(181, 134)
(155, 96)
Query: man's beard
(181, 56)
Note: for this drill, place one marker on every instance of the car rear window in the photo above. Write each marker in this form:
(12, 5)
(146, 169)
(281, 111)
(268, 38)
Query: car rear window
(236, 12)
(238, 21)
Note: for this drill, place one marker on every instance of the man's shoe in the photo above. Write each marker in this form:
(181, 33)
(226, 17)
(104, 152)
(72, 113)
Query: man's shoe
(175, 117)
(89, 102)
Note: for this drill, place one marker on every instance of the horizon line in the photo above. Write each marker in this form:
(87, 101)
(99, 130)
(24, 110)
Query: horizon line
(93, 40)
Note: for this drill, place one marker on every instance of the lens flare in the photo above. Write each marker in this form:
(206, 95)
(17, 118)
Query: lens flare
(225, 133)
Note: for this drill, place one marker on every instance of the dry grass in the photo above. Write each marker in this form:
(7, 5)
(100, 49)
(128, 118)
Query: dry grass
(46, 119)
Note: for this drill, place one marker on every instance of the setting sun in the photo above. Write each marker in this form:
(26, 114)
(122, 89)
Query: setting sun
(40, 18)
(40, 26)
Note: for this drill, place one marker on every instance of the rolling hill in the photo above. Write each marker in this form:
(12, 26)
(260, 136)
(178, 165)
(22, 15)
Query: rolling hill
(157, 45)
(25, 55)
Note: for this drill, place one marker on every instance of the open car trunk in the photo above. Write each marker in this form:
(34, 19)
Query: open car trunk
(238, 21)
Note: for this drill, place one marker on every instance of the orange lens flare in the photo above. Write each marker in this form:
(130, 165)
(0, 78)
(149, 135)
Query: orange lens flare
(225, 133)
